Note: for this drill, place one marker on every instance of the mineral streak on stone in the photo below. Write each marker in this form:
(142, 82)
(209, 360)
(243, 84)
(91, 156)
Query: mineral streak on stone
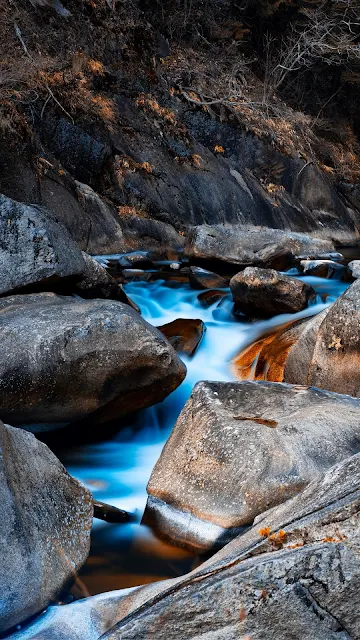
(238, 449)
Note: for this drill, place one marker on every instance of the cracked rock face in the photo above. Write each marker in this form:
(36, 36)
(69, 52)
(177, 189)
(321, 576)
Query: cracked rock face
(64, 358)
(34, 248)
(45, 528)
(238, 449)
(295, 574)
(322, 351)
(267, 292)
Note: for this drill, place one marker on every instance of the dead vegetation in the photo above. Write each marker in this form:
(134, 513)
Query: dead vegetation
(280, 69)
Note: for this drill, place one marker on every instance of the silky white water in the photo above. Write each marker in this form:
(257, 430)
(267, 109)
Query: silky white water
(117, 471)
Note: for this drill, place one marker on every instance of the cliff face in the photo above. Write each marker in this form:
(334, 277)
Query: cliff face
(233, 114)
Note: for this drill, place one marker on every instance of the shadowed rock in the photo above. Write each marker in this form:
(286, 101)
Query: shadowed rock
(322, 351)
(354, 269)
(322, 268)
(207, 298)
(238, 449)
(184, 334)
(64, 358)
(45, 528)
(34, 249)
(293, 575)
(267, 292)
(202, 279)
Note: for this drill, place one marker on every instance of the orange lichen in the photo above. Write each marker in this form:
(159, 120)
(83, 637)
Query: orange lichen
(96, 67)
(278, 538)
(219, 149)
(264, 532)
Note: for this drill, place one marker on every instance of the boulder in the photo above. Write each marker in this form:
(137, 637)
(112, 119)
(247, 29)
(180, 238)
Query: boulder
(185, 334)
(211, 296)
(322, 268)
(64, 358)
(104, 233)
(266, 292)
(157, 237)
(96, 282)
(202, 279)
(135, 260)
(45, 531)
(256, 246)
(34, 249)
(354, 269)
(322, 351)
(293, 575)
(238, 449)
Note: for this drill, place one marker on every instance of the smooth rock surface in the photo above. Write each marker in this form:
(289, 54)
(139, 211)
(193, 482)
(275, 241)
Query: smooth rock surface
(354, 268)
(185, 334)
(45, 528)
(322, 351)
(64, 358)
(293, 575)
(238, 449)
(267, 292)
(34, 249)
(202, 279)
(252, 246)
(211, 296)
(321, 268)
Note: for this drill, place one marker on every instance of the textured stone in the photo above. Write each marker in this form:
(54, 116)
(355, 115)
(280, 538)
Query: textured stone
(185, 334)
(267, 292)
(322, 268)
(45, 528)
(64, 358)
(34, 249)
(293, 575)
(238, 449)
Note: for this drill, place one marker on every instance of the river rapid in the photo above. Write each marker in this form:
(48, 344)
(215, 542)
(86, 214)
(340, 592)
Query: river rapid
(117, 468)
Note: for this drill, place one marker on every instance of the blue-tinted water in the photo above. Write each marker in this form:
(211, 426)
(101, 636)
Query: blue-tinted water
(117, 470)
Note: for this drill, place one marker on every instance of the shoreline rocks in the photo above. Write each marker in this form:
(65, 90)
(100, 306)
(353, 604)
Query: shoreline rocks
(45, 529)
(65, 358)
(238, 449)
(267, 292)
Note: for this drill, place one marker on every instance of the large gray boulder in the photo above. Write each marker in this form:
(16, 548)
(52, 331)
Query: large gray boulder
(64, 358)
(240, 448)
(267, 292)
(252, 246)
(322, 351)
(34, 249)
(293, 575)
(45, 526)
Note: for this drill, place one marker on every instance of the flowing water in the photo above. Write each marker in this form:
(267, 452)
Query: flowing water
(117, 469)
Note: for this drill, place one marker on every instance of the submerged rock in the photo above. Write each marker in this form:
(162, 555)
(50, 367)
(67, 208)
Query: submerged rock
(45, 528)
(64, 358)
(322, 268)
(202, 279)
(34, 249)
(293, 575)
(238, 449)
(322, 351)
(185, 334)
(256, 246)
(267, 292)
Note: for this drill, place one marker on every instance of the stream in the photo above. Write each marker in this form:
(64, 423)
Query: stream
(117, 468)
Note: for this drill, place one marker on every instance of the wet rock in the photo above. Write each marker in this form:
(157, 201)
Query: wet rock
(207, 298)
(322, 351)
(176, 266)
(251, 246)
(294, 574)
(136, 274)
(184, 334)
(108, 513)
(322, 268)
(45, 531)
(267, 292)
(35, 250)
(96, 282)
(64, 358)
(136, 260)
(202, 279)
(239, 449)
(354, 269)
